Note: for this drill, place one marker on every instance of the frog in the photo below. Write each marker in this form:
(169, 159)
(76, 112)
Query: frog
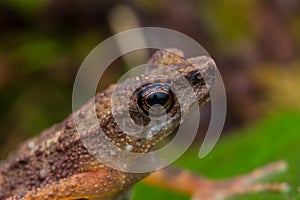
(57, 165)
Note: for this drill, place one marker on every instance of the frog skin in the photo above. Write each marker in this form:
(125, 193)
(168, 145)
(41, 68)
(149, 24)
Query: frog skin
(57, 165)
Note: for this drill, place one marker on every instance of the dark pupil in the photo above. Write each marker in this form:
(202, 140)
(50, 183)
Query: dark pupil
(160, 98)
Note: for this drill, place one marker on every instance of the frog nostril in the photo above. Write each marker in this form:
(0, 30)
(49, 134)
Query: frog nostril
(197, 78)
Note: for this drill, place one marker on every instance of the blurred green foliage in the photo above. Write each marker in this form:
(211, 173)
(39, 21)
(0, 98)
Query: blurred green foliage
(231, 21)
(26, 8)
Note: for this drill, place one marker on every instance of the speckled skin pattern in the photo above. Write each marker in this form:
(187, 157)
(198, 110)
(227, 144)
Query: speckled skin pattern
(56, 165)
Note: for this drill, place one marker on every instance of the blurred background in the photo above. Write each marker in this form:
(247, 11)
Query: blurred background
(255, 44)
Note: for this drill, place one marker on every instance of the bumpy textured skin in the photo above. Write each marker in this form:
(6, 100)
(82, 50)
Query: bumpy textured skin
(56, 164)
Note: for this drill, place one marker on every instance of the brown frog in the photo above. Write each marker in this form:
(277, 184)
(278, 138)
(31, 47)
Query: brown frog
(57, 165)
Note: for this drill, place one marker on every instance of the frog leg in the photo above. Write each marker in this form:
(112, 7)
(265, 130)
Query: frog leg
(202, 188)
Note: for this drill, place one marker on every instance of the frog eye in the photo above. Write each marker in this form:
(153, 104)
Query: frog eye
(155, 97)
(161, 98)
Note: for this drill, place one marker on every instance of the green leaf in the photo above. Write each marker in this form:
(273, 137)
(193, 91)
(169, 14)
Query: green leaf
(275, 138)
